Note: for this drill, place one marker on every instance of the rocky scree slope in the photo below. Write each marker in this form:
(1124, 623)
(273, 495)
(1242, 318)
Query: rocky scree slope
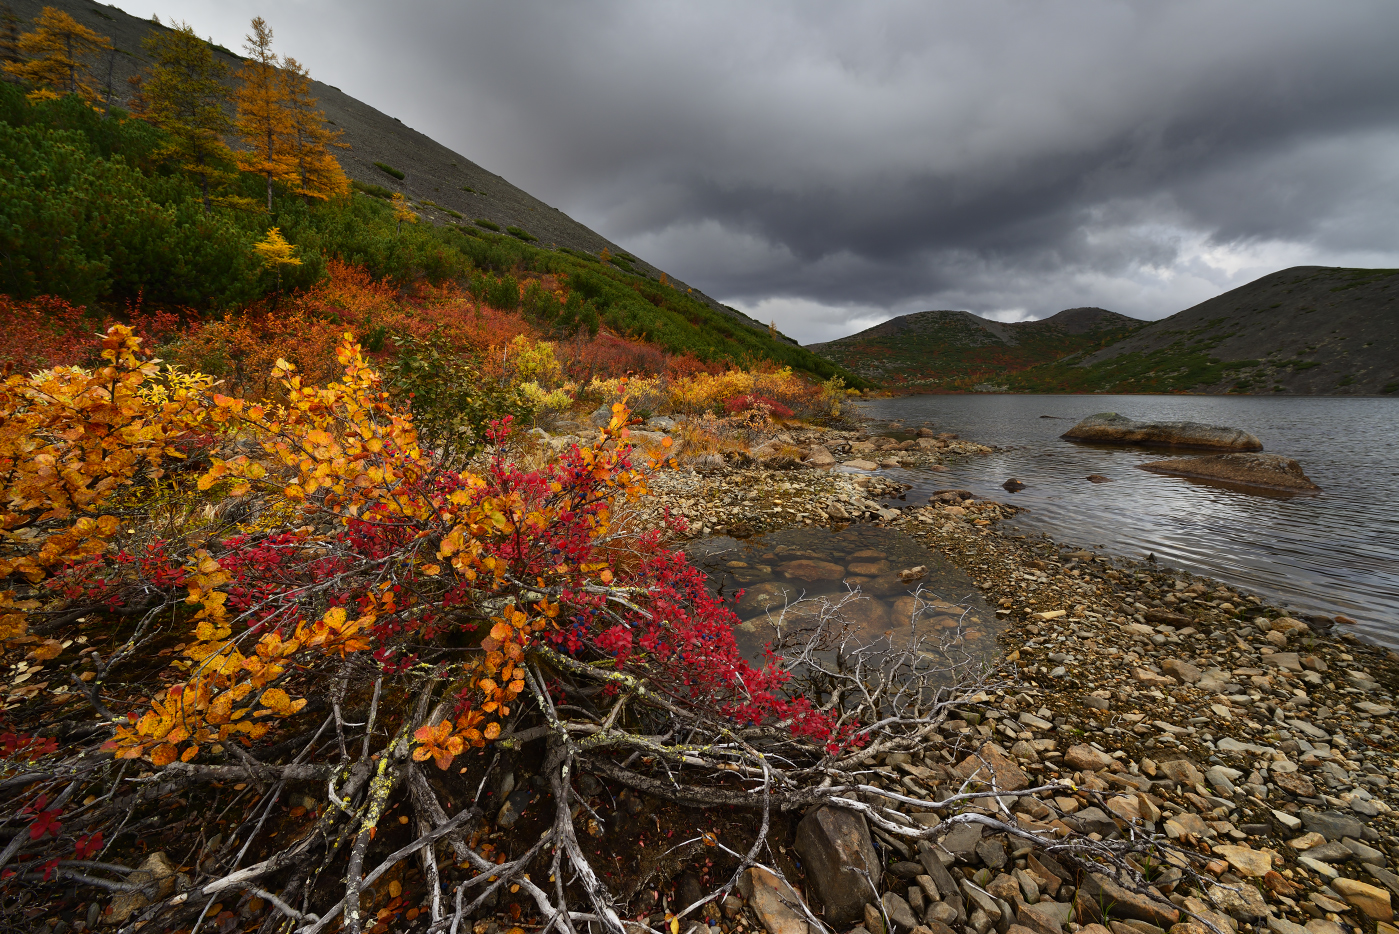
(1308, 330)
(954, 351)
(445, 187)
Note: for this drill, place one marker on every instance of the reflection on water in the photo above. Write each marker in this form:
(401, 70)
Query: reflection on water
(1334, 552)
(763, 578)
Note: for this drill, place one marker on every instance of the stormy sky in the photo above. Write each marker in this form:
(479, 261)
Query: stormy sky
(829, 165)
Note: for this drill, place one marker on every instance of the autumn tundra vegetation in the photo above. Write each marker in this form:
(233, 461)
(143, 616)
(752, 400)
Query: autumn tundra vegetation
(293, 610)
(278, 588)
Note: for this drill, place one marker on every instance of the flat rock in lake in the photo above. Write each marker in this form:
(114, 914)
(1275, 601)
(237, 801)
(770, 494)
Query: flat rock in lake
(1111, 428)
(1270, 471)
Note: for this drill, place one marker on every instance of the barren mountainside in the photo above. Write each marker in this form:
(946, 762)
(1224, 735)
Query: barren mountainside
(952, 351)
(1307, 330)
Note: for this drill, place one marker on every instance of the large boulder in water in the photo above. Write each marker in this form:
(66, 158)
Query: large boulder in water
(1271, 471)
(1111, 428)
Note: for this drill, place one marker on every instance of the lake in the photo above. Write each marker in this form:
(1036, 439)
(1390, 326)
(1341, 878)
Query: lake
(1336, 552)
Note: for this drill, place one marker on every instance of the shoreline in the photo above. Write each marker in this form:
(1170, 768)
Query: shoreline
(1168, 700)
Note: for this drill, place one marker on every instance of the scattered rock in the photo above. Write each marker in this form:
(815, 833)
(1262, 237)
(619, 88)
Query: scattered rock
(1254, 864)
(1087, 758)
(1371, 900)
(990, 762)
(1333, 825)
(1269, 471)
(1012, 486)
(1112, 428)
(769, 898)
(1184, 672)
(835, 847)
(1098, 478)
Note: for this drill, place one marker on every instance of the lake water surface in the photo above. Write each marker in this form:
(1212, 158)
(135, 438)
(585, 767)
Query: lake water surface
(1329, 553)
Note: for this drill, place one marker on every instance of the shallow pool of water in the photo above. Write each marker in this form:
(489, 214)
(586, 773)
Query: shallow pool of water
(782, 586)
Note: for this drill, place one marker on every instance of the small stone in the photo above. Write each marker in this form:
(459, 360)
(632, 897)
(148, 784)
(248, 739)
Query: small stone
(1370, 899)
(900, 913)
(1317, 866)
(1331, 852)
(1294, 783)
(1188, 822)
(1086, 758)
(1283, 926)
(960, 841)
(1323, 926)
(1125, 904)
(1249, 862)
(1219, 778)
(1025, 751)
(1363, 853)
(1182, 671)
(1093, 820)
(1182, 772)
(1148, 677)
(992, 852)
(1240, 902)
(835, 846)
(874, 919)
(1287, 820)
(1306, 841)
(942, 913)
(1333, 825)
(990, 763)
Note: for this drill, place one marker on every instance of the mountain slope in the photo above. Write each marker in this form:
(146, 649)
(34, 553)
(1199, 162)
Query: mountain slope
(1309, 330)
(446, 187)
(950, 351)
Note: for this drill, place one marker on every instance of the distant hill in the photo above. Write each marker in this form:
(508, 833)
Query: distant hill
(952, 351)
(1308, 330)
(446, 187)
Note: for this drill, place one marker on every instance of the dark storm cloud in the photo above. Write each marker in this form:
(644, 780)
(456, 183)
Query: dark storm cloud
(830, 164)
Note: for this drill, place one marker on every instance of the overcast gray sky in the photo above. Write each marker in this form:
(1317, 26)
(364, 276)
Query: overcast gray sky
(829, 165)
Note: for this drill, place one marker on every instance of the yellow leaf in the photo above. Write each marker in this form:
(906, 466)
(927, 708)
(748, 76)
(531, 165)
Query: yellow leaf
(163, 755)
(278, 701)
(674, 926)
(49, 648)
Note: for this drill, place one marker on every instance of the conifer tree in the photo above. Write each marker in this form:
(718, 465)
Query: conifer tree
(317, 173)
(55, 55)
(263, 120)
(275, 252)
(184, 94)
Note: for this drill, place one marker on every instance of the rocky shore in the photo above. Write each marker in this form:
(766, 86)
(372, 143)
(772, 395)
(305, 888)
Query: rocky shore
(1159, 703)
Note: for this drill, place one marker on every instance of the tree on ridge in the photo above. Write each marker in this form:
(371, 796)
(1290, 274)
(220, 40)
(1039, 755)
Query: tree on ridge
(277, 120)
(262, 120)
(184, 94)
(54, 56)
(317, 173)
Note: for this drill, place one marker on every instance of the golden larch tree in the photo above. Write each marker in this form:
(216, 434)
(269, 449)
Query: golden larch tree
(275, 252)
(317, 173)
(263, 120)
(55, 55)
(184, 94)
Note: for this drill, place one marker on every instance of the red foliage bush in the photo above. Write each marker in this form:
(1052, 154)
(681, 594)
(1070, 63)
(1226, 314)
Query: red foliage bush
(744, 403)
